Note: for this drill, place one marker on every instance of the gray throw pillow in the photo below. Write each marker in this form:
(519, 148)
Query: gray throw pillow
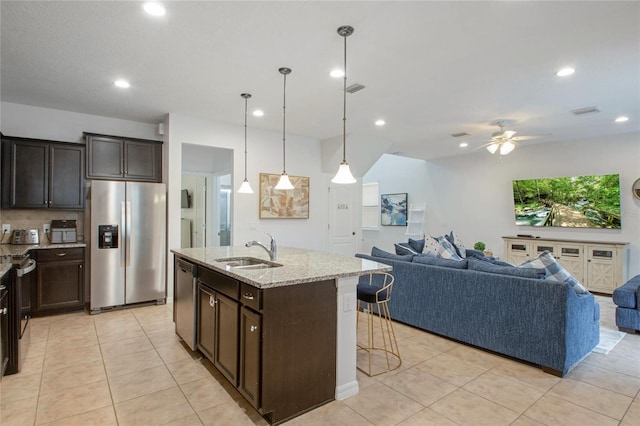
(479, 265)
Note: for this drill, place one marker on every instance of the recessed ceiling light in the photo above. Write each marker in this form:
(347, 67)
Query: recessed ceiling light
(463, 145)
(622, 119)
(380, 123)
(565, 72)
(154, 8)
(336, 73)
(258, 113)
(124, 84)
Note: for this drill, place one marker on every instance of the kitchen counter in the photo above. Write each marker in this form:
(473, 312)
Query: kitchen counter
(8, 250)
(298, 265)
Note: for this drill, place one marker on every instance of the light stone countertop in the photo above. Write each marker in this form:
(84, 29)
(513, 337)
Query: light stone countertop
(298, 265)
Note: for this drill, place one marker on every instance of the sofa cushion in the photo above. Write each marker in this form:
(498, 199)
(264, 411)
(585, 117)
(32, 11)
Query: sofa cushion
(554, 271)
(491, 260)
(453, 238)
(626, 296)
(404, 249)
(429, 259)
(417, 245)
(375, 251)
(474, 253)
(484, 266)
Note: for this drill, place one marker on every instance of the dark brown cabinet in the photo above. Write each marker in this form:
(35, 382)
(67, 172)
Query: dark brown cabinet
(59, 280)
(250, 355)
(218, 316)
(116, 158)
(42, 174)
(4, 324)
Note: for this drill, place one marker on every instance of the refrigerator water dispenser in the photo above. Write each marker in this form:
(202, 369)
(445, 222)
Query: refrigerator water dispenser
(107, 236)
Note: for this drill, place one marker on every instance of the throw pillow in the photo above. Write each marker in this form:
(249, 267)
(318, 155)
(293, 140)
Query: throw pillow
(431, 246)
(404, 249)
(417, 245)
(376, 252)
(449, 251)
(474, 253)
(481, 265)
(428, 259)
(453, 238)
(554, 271)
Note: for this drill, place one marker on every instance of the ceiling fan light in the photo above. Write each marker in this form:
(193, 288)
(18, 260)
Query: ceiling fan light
(506, 148)
(284, 182)
(492, 148)
(245, 188)
(509, 133)
(344, 175)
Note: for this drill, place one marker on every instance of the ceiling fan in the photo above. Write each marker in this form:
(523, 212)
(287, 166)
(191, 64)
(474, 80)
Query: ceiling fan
(503, 141)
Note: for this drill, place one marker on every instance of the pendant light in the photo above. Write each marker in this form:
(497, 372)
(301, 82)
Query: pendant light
(284, 182)
(245, 188)
(344, 174)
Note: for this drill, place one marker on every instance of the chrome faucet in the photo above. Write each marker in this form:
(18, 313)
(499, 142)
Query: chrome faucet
(273, 253)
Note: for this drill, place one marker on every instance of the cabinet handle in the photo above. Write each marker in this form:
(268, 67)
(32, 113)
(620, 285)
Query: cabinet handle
(253, 328)
(248, 296)
(3, 311)
(212, 301)
(61, 254)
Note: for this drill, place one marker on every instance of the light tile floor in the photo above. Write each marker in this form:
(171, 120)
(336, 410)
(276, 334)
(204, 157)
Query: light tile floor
(127, 367)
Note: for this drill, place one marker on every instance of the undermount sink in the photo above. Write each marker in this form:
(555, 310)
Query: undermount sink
(248, 263)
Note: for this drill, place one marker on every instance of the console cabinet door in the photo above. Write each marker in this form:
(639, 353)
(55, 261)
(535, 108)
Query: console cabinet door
(518, 251)
(602, 269)
(250, 355)
(206, 321)
(226, 337)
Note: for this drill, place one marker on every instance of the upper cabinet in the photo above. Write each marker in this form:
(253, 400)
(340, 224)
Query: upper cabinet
(117, 158)
(39, 174)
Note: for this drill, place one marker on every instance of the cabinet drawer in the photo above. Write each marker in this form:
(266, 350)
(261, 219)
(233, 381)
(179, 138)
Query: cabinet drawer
(251, 296)
(61, 254)
(220, 283)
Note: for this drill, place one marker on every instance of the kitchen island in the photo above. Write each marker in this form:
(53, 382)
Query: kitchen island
(283, 331)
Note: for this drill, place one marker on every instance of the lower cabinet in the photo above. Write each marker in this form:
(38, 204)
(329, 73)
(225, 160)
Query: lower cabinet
(59, 280)
(277, 346)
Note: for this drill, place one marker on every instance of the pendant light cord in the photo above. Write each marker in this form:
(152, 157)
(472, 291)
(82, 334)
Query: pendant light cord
(284, 122)
(344, 105)
(245, 137)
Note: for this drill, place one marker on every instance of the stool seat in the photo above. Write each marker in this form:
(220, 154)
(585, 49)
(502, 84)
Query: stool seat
(375, 294)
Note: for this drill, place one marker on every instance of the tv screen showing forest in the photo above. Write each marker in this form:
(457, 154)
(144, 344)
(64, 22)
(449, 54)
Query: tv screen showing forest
(573, 202)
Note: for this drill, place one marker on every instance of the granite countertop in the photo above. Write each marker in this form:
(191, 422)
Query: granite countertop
(298, 265)
(4, 268)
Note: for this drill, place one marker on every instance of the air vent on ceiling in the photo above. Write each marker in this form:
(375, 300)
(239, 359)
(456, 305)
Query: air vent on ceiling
(460, 134)
(587, 110)
(354, 88)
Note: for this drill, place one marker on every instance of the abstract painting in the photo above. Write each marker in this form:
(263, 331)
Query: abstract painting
(283, 204)
(393, 209)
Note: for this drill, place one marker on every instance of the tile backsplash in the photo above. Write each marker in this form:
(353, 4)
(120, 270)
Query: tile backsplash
(34, 219)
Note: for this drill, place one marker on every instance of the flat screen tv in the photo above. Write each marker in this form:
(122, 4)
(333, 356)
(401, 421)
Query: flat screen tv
(571, 202)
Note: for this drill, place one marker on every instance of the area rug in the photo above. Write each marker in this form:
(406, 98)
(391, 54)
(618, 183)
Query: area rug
(608, 340)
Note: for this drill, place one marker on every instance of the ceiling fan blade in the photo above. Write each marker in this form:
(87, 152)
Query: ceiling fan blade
(529, 137)
(508, 134)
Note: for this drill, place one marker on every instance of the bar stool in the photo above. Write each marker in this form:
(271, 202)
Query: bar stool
(377, 293)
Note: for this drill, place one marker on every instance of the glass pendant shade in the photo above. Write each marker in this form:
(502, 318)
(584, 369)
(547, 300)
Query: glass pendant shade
(492, 148)
(245, 188)
(284, 182)
(344, 174)
(506, 148)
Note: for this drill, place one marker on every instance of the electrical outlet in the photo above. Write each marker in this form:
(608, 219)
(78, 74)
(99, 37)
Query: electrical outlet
(6, 228)
(46, 227)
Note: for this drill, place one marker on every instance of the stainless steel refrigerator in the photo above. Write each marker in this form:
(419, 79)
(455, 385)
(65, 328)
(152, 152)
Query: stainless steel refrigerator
(128, 243)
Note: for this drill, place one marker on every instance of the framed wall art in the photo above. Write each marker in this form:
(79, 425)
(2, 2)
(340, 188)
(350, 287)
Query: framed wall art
(283, 204)
(393, 209)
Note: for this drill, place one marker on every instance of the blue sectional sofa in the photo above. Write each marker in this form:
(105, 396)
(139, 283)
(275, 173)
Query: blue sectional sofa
(540, 321)
(627, 299)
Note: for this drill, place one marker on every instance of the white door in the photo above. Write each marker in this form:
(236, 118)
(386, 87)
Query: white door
(343, 222)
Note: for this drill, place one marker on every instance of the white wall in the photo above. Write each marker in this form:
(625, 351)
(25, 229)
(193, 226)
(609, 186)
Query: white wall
(472, 194)
(52, 124)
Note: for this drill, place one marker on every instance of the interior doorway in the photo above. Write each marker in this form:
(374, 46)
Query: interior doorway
(207, 198)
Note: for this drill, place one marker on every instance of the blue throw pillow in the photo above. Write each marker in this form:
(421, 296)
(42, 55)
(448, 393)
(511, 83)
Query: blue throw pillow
(376, 252)
(474, 253)
(448, 250)
(554, 271)
(428, 259)
(404, 249)
(479, 265)
(453, 238)
(417, 245)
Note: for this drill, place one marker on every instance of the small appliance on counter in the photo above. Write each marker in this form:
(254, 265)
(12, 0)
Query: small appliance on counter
(63, 231)
(25, 236)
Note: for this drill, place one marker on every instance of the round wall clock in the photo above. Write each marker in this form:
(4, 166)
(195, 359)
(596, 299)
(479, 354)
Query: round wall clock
(636, 189)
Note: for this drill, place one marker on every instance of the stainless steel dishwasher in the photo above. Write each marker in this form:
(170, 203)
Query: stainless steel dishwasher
(185, 301)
